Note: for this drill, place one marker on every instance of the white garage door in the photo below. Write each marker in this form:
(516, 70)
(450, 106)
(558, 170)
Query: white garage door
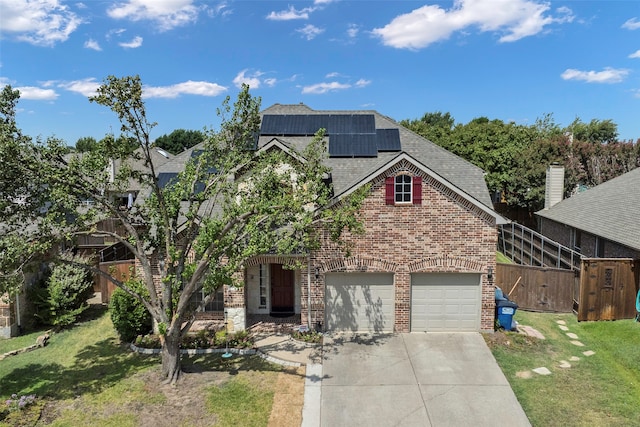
(445, 302)
(359, 302)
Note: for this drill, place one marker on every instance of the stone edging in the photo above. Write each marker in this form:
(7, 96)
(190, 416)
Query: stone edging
(238, 351)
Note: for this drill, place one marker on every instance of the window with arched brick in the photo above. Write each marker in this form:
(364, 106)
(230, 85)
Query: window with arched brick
(403, 189)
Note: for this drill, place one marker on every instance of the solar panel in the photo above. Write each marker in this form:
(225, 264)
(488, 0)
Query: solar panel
(308, 124)
(353, 145)
(388, 139)
(271, 124)
(165, 178)
(197, 153)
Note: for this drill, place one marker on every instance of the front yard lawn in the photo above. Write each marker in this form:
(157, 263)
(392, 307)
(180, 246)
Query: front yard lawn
(86, 377)
(598, 390)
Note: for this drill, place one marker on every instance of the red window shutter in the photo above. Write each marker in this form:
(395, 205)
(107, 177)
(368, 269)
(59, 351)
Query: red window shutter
(417, 190)
(390, 193)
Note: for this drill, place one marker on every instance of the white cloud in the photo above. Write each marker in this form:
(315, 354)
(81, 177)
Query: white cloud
(253, 80)
(37, 93)
(290, 14)
(271, 82)
(186, 88)
(167, 14)
(608, 75)
(636, 93)
(133, 44)
(86, 87)
(332, 75)
(114, 32)
(353, 31)
(42, 23)
(631, 24)
(92, 44)
(363, 83)
(321, 88)
(310, 31)
(635, 54)
(513, 19)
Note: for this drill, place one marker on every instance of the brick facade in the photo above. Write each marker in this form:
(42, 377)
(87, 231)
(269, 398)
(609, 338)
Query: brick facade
(444, 234)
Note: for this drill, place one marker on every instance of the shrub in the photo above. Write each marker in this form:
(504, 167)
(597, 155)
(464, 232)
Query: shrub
(130, 318)
(64, 296)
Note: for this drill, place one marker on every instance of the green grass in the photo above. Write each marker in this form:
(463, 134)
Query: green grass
(603, 389)
(502, 258)
(86, 377)
(242, 402)
(85, 359)
(7, 345)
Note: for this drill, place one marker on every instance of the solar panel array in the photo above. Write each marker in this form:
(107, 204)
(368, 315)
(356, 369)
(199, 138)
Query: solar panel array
(350, 135)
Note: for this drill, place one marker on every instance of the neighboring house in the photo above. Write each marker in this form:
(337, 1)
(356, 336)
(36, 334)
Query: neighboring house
(429, 242)
(601, 222)
(123, 199)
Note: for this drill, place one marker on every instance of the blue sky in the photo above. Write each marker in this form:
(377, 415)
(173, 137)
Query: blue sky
(514, 60)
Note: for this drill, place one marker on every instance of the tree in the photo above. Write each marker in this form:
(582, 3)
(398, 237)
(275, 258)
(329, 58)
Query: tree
(179, 140)
(86, 143)
(596, 131)
(229, 204)
(436, 127)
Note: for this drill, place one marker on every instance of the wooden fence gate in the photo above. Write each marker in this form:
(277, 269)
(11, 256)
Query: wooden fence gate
(537, 288)
(120, 270)
(608, 288)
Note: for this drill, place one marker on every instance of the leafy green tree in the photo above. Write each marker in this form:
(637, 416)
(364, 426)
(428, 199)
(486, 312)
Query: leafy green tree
(596, 131)
(199, 230)
(436, 127)
(86, 143)
(179, 140)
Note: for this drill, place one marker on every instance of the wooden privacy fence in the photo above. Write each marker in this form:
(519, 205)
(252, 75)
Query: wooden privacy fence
(120, 270)
(537, 288)
(608, 289)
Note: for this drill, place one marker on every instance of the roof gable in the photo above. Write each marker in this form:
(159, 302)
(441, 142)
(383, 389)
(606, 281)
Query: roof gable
(352, 159)
(405, 161)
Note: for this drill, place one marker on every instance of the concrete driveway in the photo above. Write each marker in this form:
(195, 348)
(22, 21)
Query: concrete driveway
(419, 379)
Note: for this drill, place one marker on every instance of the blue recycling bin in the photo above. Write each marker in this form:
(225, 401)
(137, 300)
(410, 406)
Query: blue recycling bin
(505, 310)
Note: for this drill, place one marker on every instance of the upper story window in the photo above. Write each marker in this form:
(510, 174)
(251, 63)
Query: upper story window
(403, 189)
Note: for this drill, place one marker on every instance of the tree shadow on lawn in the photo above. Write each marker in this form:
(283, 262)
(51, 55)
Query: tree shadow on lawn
(233, 365)
(96, 368)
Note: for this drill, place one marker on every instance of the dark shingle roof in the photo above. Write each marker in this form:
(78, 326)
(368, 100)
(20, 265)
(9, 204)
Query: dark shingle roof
(609, 210)
(348, 171)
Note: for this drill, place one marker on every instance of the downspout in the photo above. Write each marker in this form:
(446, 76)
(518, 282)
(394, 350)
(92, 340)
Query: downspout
(309, 293)
(18, 314)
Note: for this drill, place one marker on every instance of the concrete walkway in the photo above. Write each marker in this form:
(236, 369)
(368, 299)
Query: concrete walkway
(400, 380)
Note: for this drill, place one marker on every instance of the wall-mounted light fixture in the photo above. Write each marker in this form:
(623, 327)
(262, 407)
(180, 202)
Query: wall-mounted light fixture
(317, 273)
(161, 265)
(490, 273)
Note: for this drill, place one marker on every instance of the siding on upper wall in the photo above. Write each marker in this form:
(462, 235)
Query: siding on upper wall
(561, 233)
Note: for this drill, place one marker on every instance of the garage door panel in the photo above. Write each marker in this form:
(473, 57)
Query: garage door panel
(445, 302)
(359, 302)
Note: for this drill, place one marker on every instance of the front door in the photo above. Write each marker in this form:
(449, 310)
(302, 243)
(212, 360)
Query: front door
(282, 285)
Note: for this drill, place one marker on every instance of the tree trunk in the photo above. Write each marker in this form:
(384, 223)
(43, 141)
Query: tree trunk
(171, 360)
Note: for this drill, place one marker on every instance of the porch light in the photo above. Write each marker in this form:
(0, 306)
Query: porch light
(317, 273)
(490, 273)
